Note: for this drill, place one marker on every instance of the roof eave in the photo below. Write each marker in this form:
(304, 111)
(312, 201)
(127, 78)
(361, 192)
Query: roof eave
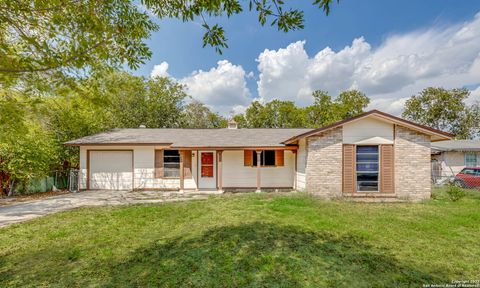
(115, 144)
(424, 129)
(456, 149)
(170, 145)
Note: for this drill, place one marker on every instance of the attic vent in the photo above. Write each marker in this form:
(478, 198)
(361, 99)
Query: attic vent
(142, 126)
(232, 124)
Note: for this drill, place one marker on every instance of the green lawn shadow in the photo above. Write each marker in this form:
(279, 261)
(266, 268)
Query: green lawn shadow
(267, 255)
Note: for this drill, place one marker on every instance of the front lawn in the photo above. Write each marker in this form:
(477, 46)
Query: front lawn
(247, 240)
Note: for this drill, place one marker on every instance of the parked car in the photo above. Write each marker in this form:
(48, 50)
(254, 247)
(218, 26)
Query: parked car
(469, 177)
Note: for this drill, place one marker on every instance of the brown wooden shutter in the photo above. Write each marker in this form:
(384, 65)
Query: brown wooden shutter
(247, 157)
(158, 163)
(279, 156)
(349, 156)
(386, 169)
(187, 163)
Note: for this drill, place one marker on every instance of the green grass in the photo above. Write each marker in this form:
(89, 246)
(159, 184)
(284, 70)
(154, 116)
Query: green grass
(265, 240)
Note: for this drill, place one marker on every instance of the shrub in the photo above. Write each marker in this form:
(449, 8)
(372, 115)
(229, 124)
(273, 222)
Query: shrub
(455, 193)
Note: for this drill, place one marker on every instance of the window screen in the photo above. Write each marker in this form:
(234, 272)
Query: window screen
(367, 168)
(171, 163)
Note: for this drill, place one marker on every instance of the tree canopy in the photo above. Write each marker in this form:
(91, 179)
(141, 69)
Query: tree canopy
(274, 114)
(285, 114)
(27, 148)
(271, 12)
(197, 115)
(445, 110)
(58, 40)
(326, 111)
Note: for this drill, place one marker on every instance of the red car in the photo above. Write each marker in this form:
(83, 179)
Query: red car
(469, 177)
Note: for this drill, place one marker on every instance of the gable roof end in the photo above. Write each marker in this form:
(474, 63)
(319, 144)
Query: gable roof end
(436, 135)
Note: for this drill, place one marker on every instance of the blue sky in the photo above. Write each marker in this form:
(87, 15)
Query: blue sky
(383, 30)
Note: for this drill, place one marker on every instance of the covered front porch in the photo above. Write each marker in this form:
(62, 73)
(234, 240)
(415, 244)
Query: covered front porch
(237, 169)
(192, 169)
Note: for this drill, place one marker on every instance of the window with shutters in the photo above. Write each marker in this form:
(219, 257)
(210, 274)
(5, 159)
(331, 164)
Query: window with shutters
(267, 158)
(367, 168)
(171, 164)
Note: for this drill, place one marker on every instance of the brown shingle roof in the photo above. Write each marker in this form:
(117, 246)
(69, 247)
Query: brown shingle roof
(457, 145)
(191, 137)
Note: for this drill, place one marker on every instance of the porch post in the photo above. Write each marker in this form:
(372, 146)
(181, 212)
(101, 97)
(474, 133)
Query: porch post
(295, 170)
(220, 171)
(197, 168)
(182, 172)
(258, 171)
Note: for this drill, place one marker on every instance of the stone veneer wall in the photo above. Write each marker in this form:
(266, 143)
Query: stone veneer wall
(412, 164)
(324, 164)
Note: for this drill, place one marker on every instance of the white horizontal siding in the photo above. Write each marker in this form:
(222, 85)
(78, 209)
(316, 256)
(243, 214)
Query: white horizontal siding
(238, 176)
(368, 131)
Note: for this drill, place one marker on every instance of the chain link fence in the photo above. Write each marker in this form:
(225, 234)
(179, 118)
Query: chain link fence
(73, 179)
(468, 177)
(56, 180)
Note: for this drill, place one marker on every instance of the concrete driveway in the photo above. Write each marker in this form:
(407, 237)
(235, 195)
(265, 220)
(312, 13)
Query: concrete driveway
(27, 210)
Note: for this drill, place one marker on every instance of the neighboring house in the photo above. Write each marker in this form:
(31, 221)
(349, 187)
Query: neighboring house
(450, 157)
(371, 155)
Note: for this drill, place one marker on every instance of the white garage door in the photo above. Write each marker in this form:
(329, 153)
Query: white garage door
(111, 170)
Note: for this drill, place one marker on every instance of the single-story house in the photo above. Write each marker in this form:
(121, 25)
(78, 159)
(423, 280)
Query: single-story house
(374, 154)
(450, 157)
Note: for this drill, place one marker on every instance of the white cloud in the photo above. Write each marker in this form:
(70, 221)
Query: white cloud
(282, 72)
(160, 70)
(289, 74)
(238, 109)
(400, 67)
(389, 74)
(222, 88)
